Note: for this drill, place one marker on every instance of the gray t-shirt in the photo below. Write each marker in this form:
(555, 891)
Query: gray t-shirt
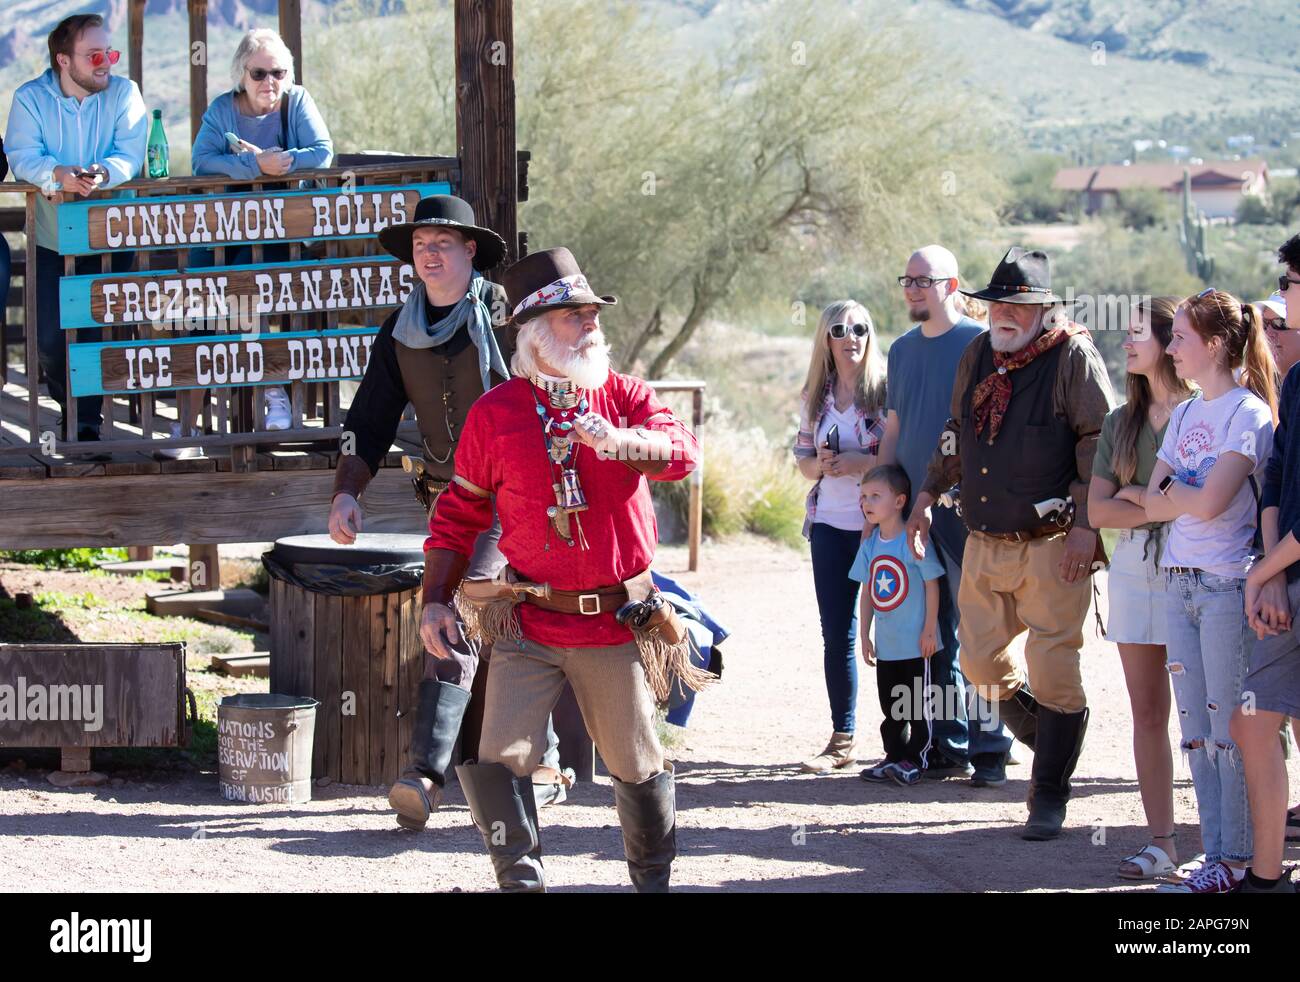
(919, 389)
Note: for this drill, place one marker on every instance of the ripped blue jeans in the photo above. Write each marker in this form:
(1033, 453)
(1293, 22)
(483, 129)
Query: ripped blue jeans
(1208, 644)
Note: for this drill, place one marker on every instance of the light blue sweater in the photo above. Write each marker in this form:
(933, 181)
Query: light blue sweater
(308, 139)
(48, 129)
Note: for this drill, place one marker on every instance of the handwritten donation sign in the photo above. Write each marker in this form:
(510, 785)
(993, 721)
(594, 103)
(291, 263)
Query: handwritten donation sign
(245, 748)
(117, 224)
(236, 296)
(228, 360)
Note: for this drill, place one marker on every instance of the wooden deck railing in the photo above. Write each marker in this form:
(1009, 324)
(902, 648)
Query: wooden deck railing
(233, 415)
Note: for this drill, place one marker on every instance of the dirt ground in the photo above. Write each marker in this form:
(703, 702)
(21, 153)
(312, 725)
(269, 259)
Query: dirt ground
(747, 820)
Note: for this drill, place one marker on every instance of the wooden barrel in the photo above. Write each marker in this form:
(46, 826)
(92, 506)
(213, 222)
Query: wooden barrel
(358, 655)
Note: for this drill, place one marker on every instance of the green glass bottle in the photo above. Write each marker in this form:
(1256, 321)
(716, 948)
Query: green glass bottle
(156, 154)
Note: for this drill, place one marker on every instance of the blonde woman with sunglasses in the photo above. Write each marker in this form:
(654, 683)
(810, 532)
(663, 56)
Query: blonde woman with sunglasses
(841, 422)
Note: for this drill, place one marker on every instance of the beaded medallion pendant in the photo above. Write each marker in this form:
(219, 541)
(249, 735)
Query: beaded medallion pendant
(562, 448)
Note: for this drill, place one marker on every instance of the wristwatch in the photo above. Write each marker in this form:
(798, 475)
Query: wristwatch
(1164, 486)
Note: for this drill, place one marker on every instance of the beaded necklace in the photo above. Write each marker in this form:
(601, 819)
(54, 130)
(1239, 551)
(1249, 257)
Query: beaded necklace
(562, 451)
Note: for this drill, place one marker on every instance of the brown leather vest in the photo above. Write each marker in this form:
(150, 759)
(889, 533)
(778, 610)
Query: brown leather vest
(442, 383)
(1032, 458)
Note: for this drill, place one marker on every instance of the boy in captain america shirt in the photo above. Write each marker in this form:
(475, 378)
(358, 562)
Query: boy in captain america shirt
(902, 597)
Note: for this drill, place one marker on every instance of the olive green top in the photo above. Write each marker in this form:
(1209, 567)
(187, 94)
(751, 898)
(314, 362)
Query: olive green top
(1148, 443)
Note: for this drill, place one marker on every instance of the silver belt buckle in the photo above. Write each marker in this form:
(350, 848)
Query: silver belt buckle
(582, 603)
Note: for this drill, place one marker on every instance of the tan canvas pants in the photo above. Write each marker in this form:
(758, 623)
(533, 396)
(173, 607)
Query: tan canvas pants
(524, 681)
(1006, 588)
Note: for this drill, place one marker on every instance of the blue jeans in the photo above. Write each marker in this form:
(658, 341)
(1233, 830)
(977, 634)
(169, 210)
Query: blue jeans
(972, 728)
(833, 552)
(49, 331)
(5, 261)
(1209, 643)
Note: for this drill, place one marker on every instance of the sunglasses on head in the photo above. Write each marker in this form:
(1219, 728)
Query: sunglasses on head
(97, 58)
(258, 74)
(839, 331)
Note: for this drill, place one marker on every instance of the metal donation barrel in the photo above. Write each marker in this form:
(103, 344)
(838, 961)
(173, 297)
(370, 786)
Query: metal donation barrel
(345, 630)
(264, 747)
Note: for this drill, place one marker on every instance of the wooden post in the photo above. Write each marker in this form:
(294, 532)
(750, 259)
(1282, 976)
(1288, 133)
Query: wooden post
(205, 569)
(485, 116)
(198, 64)
(695, 519)
(291, 33)
(135, 41)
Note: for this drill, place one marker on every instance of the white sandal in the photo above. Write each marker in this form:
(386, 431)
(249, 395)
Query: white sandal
(1151, 861)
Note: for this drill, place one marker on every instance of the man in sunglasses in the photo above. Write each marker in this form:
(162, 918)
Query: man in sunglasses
(922, 366)
(1273, 677)
(76, 129)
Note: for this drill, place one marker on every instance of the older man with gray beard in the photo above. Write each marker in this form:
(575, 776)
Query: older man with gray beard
(1027, 407)
(564, 449)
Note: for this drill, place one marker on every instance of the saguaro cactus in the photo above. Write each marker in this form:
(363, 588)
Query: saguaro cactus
(1192, 235)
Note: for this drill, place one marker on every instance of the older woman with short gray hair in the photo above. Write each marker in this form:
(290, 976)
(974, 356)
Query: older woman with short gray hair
(265, 125)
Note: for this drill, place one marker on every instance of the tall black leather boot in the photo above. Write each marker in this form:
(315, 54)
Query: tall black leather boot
(506, 816)
(648, 814)
(438, 717)
(1020, 714)
(1060, 740)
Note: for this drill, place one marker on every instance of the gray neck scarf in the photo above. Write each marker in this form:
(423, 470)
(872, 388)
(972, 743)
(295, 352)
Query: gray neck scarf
(414, 330)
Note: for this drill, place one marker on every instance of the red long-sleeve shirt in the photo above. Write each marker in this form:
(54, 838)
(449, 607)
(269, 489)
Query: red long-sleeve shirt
(502, 451)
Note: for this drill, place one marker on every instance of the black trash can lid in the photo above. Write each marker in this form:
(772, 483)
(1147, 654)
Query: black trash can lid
(370, 549)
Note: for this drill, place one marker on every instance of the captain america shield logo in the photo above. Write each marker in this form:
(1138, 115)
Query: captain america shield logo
(888, 583)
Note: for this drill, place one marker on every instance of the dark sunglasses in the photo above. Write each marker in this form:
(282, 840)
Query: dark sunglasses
(1275, 323)
(258, 74)
(921, 282)
(1285, 281)
(839, 331)
(97, 58)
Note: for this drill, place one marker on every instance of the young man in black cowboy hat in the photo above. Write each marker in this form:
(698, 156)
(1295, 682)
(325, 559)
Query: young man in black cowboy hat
(1027, 407)
(564, 449)
(443, 349)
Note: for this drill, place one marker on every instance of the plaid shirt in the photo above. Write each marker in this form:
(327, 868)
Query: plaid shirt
(868, 427)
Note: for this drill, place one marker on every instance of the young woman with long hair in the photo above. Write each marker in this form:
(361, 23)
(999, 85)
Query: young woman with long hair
(841, 421)
(1126, 456)
(1204, 485)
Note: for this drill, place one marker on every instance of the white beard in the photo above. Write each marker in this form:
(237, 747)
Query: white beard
(587, 365)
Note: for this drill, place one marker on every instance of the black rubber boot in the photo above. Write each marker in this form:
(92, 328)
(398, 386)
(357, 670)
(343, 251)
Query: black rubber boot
(506, 816)
(648, 814)
(1020, 714)
(438, 717)
(1060, 740)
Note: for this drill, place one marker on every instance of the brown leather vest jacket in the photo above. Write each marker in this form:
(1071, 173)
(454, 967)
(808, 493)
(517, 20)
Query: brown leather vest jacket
(442, 386)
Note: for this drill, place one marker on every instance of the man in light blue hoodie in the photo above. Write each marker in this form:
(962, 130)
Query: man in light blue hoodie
(75, 129)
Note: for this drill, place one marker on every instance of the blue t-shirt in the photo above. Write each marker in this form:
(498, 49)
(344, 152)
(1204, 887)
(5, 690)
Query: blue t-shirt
(260, 131)
(895, 581)
(919, 382)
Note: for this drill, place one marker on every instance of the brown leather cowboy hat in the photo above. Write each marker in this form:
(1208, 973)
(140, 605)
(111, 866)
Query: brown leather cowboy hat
(547, 280)
(1023, 276)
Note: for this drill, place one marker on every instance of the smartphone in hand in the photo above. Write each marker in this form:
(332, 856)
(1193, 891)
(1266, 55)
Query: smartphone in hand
(832, 441)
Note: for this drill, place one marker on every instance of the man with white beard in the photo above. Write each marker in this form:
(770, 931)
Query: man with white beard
(564, 449)
(1027, 407)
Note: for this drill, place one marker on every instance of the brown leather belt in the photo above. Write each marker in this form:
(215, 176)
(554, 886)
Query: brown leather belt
(606, 600)
(1028, 536)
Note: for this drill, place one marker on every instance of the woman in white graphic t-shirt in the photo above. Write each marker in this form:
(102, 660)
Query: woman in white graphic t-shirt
(1204, 485)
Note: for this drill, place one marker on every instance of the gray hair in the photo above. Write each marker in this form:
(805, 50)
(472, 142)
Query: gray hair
(256, 40)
